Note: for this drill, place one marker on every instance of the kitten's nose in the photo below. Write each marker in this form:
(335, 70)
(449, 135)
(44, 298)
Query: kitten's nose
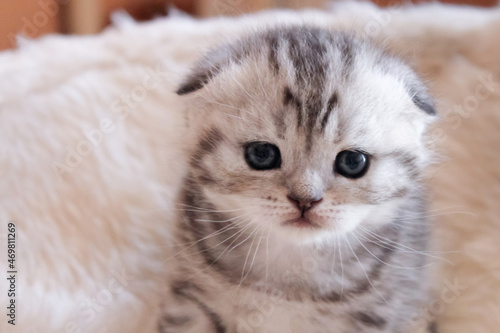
(304, 204)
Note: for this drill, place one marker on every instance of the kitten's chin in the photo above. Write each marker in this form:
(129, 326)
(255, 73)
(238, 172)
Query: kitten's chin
(307, 230)
(302, 234)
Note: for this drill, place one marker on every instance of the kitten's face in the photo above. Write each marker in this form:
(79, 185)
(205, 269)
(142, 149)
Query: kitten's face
(307, 135)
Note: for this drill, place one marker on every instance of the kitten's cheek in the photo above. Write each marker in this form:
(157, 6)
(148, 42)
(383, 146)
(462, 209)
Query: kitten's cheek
(384, 213)
(335, 224)
(345, 219)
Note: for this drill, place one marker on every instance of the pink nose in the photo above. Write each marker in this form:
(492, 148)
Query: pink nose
(304, 204)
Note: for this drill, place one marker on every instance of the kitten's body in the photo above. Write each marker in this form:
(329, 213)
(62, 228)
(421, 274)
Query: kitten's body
(239, 266)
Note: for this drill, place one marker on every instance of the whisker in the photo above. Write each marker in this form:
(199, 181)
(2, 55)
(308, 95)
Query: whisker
(246, 259)
(253, 259)
(202, 209)
(413, 221)
(241, 241)
(380, 260)
(264, 91)
(213, 234)
(364, 271)
(341, 267)
(267, 253)
(334, 256)
(239, 233)
(400, 246)
(215, 221)
(235, 108)
(244, 90)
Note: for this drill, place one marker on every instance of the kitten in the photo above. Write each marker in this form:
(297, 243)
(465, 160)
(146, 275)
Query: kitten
(303, 208)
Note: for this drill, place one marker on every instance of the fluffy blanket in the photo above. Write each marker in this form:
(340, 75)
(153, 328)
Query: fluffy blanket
(91, 153)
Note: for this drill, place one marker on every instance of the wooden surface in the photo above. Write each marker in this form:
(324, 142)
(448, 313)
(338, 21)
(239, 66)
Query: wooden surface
(37, 17)
(90, 16)
(478, 3)
(236, 7)
(32, 18)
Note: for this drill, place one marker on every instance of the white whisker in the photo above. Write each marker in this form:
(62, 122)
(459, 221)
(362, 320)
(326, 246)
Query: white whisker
(364, 271)
(380, 260)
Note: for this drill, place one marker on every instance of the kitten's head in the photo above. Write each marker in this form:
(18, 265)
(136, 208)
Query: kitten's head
(306, 132)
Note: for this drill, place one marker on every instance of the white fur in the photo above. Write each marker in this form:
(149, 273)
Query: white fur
(78, 228)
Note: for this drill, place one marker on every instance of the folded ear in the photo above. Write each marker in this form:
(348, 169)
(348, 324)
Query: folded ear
(199, 77)
(422, 99)
(209, 67)
(419, 93)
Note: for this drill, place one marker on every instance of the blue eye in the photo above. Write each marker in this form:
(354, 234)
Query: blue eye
(262, 156)
(351, 164)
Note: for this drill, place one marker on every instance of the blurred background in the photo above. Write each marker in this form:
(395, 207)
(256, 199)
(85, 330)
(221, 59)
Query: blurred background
(37, 17)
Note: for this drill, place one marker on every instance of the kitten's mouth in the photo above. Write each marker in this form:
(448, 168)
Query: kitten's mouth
(301, 222)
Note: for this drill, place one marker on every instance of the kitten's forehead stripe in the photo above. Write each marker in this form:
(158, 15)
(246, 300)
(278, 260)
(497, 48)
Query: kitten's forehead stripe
(332, 103)
(290, 99)
(307, 50)
(314, 106)
(273, 42)
(311, 52)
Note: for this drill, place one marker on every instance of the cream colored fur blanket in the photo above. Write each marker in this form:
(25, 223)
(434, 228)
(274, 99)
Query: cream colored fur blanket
(91, 154)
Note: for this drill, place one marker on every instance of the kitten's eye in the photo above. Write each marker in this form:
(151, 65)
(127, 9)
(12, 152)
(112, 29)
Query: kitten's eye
(351, 164)
(262, 156)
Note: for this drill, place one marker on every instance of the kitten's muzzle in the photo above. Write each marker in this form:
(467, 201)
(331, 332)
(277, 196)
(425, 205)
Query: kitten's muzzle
(304, 204)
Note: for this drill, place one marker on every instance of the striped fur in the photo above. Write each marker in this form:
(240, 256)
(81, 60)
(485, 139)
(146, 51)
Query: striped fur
(358, 267)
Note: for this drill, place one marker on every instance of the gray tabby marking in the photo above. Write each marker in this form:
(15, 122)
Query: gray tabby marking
(290, 99)
(332, 103)
(182, 289)
(273, 42)
(370, 319)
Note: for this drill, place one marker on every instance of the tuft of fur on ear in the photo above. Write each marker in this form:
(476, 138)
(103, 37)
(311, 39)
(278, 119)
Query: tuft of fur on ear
(209, 67)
